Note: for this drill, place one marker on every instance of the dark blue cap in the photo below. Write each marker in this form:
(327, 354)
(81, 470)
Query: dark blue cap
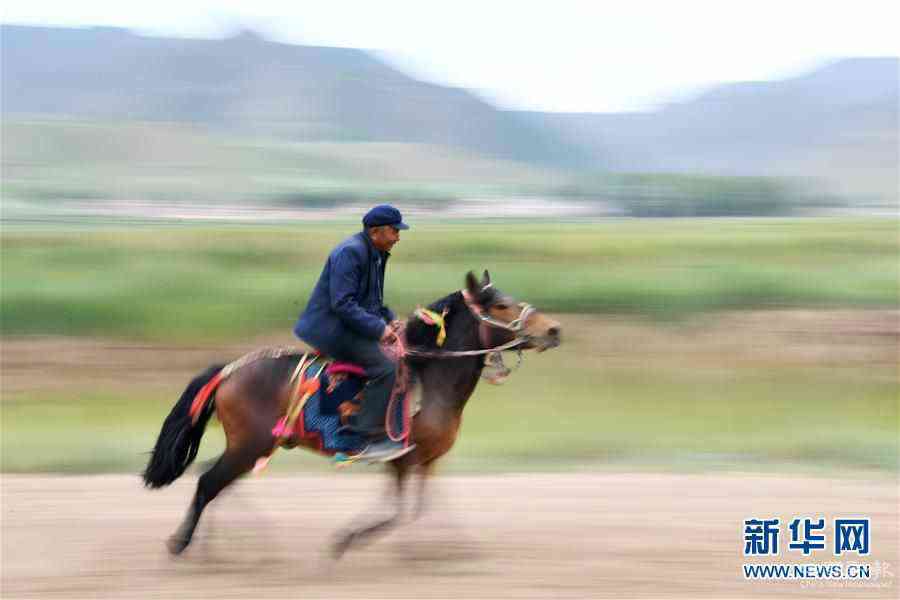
(384, 214)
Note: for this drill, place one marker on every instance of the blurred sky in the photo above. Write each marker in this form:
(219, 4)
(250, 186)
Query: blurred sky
(555, 55)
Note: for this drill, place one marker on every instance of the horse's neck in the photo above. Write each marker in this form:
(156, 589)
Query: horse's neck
(452, 381)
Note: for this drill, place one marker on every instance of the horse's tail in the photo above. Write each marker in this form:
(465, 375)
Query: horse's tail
(179, 438)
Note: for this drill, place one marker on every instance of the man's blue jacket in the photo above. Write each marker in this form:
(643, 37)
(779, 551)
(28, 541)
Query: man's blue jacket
(348, 298)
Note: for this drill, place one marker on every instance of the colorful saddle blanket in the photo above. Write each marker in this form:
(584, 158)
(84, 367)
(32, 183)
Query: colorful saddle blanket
(322, 421)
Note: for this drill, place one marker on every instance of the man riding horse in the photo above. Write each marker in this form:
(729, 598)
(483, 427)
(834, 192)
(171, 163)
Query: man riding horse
(346, 319)
(447, 347)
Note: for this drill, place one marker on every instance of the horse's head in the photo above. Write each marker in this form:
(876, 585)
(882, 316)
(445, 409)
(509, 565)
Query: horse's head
(507, 319)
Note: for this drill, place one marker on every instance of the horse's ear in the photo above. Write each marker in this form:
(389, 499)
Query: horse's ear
(472, 283)
(486, 279)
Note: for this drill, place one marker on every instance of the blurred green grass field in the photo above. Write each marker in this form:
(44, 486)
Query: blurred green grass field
(690, 405)
(574, 407)
(179, 284)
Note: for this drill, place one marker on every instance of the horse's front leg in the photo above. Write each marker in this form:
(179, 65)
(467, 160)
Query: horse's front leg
(423, 498)
(361, 534)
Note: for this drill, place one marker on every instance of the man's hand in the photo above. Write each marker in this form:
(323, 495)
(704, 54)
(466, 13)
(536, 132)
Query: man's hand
(396, 324)
(389, 335)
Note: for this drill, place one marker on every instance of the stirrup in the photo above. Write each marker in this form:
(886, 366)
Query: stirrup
(381, 452)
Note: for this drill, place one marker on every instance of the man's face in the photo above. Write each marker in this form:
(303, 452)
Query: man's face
(384, 237)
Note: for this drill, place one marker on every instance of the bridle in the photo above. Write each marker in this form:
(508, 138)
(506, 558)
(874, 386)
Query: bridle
(515, 326)
(495, 356)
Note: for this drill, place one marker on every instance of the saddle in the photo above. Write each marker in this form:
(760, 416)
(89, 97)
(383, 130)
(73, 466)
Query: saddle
(324, 396)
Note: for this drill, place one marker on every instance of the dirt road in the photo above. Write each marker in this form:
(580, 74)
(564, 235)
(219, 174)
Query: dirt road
(522, 536)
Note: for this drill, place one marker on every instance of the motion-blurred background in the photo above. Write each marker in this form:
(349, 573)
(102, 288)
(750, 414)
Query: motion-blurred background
(723, 258)
(705, 194)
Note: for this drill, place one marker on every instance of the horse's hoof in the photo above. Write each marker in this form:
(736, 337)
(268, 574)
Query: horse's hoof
(339, 547)
(177, 544)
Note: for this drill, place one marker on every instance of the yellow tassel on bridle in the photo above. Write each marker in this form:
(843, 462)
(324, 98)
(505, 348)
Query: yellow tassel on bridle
(432, 318)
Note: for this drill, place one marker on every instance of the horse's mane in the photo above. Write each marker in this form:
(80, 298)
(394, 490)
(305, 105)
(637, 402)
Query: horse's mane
(423, 335)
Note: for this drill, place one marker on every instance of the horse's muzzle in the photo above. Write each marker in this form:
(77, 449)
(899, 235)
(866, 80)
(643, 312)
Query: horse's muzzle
(551, 339)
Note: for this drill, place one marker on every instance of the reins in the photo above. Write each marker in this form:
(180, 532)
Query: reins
(459, 353)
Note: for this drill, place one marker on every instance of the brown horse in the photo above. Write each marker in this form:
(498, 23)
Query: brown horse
(478, 319)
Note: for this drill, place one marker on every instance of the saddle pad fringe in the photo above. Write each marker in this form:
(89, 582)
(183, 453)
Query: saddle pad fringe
(303, 391)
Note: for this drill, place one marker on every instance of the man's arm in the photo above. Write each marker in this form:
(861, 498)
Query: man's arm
(346, 272)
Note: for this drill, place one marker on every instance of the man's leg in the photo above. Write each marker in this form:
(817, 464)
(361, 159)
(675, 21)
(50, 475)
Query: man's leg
(371, 420)
(381, 373)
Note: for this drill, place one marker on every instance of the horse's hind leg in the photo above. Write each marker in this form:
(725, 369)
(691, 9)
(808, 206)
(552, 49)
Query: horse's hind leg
(231, 465)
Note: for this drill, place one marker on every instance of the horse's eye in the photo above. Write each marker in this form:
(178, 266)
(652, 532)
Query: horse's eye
(501, 306)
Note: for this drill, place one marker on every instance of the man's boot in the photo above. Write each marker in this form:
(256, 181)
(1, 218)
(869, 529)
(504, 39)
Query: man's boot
(371, 422)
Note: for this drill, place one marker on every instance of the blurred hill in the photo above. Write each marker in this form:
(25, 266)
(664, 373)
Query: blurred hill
(105, 114)
(246, 84)
(51, 162)
(839, 123)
